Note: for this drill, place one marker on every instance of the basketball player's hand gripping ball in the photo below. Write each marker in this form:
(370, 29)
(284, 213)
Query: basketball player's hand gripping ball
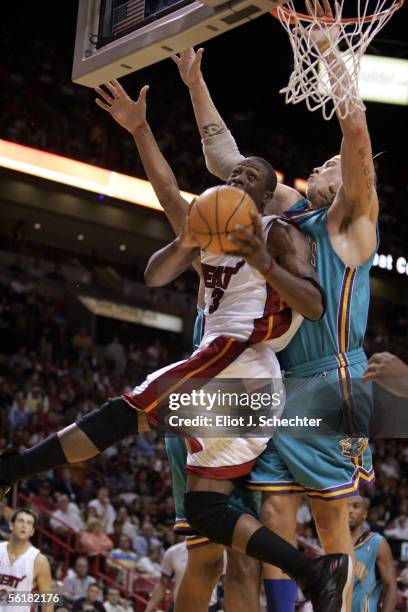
(252, 246)
(187, 238)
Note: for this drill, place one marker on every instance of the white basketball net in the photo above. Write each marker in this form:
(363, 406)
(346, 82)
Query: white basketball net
(316, 77)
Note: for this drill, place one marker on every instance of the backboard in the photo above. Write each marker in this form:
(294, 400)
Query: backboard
(117, 37)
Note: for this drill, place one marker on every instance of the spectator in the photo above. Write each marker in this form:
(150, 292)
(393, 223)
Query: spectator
(66, 486)
(128, 527)
(94, 540)
(124, 557)
(57, 572)
(398, 529)
(43, 501)
(145, 540)
(82, 341)
(93, 599)
(76, 585)
(115, 603)
(104, 509)
(66, 518)
(116, 352)
(36, 397)
(150, 564)
(166, 515)
(20, 415)
(5, 515)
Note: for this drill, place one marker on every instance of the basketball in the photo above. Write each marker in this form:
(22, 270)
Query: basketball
(215, 213)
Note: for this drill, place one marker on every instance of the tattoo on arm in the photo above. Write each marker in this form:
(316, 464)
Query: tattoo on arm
(367, 172)
(212, 129)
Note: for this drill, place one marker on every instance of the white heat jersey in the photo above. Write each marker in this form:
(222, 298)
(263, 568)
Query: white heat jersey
(16, 577)
(239, 303)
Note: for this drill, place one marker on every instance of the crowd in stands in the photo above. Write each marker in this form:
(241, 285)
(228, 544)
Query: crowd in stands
(121, 506)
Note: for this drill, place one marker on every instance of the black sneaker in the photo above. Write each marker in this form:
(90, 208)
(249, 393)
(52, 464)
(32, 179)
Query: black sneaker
(329, 582)
(4, 485)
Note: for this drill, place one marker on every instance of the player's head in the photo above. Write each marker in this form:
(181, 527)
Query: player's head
(324, 182)
(257, 178)
(22, 523)
(358, 509)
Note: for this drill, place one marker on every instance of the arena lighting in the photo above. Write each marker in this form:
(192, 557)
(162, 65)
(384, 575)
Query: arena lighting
(300, 185)
(382, 79)
(131, 314)
(84, 176)
(387, 262)
(78, 174)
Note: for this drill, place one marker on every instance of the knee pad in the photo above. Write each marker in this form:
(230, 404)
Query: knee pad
(110, 423)
(210, 514)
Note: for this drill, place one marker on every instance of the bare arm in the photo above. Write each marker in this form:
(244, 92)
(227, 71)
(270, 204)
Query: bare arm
(388, 371)
(43, 579)
(284, 261)
(168, 263)
(219, 147)
(357, 196)
(158, 593)
(131, 115)
(209, 121)
(386, 572)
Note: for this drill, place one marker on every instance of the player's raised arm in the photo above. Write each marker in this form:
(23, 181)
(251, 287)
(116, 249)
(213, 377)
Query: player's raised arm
(355, 208)
(219, 147)
(131, 115)
(284, 261)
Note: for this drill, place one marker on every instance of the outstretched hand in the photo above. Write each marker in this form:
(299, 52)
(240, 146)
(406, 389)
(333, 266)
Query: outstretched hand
(189, 65)
(389, 371)
(130, 114)
(326, 34)
(252, 246)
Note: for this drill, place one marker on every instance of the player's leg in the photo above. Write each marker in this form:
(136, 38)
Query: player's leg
(205, 559)
(332, 525)
(279, 514)
(324, 580)
(204, 568)
(91, 435)
(241, 583)
(280, 500)
(243, 575)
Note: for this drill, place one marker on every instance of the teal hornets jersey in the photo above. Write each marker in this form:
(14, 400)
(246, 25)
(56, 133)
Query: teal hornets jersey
(343, 326)
(367, 587)
(198, 327)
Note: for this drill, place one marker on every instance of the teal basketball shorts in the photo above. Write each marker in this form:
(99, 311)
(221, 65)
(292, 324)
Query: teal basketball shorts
(327, 466)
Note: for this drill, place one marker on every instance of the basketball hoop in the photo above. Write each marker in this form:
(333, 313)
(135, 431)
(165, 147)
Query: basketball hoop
(327, 52)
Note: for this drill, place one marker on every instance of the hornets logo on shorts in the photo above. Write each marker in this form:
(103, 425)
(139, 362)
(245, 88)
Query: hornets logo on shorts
(353, 447)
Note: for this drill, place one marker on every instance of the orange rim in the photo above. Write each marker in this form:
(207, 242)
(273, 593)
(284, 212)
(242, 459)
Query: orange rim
(304, 17)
